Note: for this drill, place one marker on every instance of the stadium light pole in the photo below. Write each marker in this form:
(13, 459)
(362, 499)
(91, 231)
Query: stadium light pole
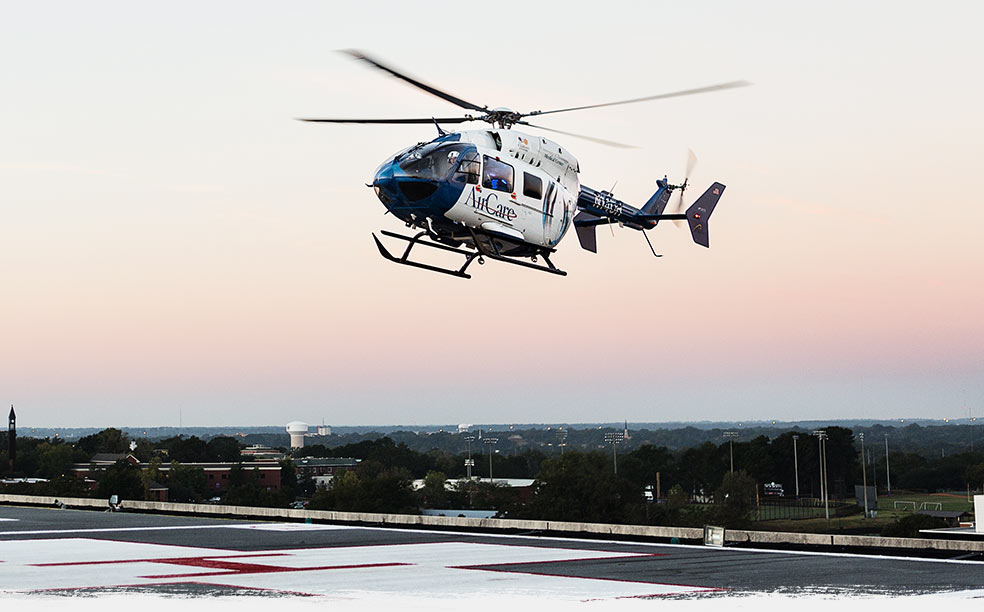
(864, 476)
(562, 436)
(613, 438)
(888, 473)
(821, 440)
(469, 463)
(731, 435)
(491, 442)
(796, 468)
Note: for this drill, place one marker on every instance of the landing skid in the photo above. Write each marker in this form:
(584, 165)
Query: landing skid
(469, 256)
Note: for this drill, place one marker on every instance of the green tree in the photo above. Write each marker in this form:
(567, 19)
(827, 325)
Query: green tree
(757, 459)
(122, 479)
(581, 487)
(702, 467)
(185, 483)
(245, 489)
(186, 450)
(55, 459)
(434, 493)
(974, 475)
(152, 474)
(289, 486)
(144, 451)
(643, 464)
(735, 499)
(223, 449)
(910, 525)
(109, 440)
(368, 488)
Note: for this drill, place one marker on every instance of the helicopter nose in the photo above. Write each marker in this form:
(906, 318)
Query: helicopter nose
(394, 188)
(384, 184)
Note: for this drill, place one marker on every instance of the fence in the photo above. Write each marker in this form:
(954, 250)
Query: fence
(806, 508)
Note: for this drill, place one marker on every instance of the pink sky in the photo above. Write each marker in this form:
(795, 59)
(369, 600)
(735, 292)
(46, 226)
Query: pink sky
(173, 240)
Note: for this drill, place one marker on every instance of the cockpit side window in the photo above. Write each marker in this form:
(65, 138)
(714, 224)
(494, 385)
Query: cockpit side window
(432, 161)
(469, 168)
(497, 175)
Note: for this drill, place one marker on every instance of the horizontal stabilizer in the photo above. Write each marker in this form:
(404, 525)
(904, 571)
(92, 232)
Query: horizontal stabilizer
(584, 225)
(700, 212)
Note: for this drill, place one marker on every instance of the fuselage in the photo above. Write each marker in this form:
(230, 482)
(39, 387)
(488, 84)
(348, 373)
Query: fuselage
(517, 189)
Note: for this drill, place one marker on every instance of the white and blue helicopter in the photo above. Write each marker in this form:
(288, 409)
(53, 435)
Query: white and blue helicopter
(506, 195)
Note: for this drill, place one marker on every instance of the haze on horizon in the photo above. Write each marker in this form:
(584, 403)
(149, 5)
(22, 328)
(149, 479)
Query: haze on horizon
(174, 245)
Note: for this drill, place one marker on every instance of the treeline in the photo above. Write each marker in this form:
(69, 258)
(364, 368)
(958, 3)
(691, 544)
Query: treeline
(926, 440)
(51, 459)
(578, 485)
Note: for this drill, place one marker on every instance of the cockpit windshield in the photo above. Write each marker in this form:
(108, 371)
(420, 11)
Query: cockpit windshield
(432, 161)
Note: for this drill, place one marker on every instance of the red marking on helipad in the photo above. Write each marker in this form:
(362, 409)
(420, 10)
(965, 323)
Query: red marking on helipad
(174, 560)
(218, 562)
(233, 568)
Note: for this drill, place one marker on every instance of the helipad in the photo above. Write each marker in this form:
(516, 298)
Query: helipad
(48, 552)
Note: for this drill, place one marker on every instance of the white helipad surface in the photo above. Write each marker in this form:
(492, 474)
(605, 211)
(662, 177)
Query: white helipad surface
(431, 570)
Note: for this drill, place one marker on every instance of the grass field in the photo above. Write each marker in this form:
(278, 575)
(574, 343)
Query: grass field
(956, 502)
(890, 509)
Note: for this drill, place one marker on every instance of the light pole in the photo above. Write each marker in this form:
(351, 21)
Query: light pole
(888, 473)
(822, 442)
(731, 435)
(864, 476)
(491, 442)
(469, 462)
(874, 475)
(562, 436)
(613, 438)
(796, 468)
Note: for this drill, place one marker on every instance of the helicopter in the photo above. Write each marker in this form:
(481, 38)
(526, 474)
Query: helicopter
(506, 195)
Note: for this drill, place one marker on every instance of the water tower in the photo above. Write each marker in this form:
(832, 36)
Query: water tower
(297, 429)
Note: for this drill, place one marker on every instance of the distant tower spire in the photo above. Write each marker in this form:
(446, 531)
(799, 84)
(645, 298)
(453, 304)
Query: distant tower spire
(12, 439)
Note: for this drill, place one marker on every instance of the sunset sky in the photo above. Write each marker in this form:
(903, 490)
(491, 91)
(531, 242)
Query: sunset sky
(173, 241)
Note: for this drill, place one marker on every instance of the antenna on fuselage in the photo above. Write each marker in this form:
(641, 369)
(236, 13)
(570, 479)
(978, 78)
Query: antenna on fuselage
(440, 131)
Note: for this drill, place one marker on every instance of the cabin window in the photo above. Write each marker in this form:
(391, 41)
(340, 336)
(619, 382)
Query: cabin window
(497, 175)
(532, 186)
(469, 168)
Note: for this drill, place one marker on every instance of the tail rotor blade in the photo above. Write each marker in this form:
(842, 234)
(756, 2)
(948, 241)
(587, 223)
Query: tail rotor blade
(691, 163)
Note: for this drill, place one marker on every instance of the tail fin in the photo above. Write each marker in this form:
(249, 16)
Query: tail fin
(657, 203)
(700, 212)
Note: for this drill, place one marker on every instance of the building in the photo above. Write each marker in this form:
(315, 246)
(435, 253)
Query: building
(949, 518)
(322, 470)
(258, 452)
(218, 476)
(158, 492)
(104, 460)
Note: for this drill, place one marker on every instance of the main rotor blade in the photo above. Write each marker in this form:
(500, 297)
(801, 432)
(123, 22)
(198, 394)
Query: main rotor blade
(418, 84)
(691, 163)
(675, 94)
(610, 143)
(430, 120)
